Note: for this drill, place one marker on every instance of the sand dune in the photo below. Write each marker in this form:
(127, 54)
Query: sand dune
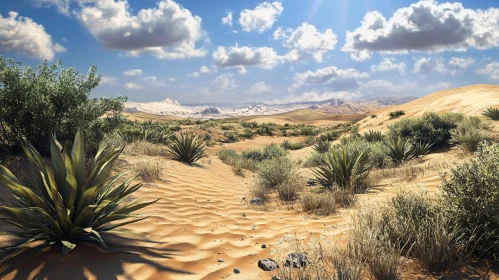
(306, 117)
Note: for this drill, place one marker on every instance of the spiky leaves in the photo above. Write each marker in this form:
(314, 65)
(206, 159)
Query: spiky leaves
(492, 113)
(187, 148)
(344, 168)
(322, 146)
(66, 203)
(400, 150)
(373, 136)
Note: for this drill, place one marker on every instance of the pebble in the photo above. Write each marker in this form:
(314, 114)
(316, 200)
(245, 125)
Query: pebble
(244, 215)
(236, 271)
(264, 246)
(253, 227)
(220, 260)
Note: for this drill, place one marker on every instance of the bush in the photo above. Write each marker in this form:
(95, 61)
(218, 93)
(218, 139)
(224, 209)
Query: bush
(322, 203)
(314, 160)
(492, 113)
(53, 99)
(274, 172)
(231, 136)
(377, 152)
(309, 140)
(156, 133)
(469, 133)
(344, 168)
(148, 171)
(373, 136)
(287, 145)
(288, 191)
(421, 149)
(471, 199)
(322, 146)
(237, 162)
(396, 114)
(330, 135)
(345, 198)
(146, 148)
(400, 151)
(67, 202)
(308, 130)
(187, 148)
(247, 134)
(269, 152)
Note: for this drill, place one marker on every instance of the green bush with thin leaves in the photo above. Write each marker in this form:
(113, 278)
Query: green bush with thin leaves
(66, 202)
(421, 149)
(288, 145)
(344, 168)
(187, 148)
(492, 113)
(373, 136)
(322, 146)
(400, 150)
(469, 133)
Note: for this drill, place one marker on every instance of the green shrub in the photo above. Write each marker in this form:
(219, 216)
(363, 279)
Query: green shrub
(226, 127)
(322, 146)
(247, 134)
(330, 135)
(156, 133)
(399, 150)
(309, 140)
(67, 202)
(288, 145)
(288, 190)
(421, 149)
(492, 113)
(308, 130)
(187, 148)
(396, 114)
(373, 136)
(471, 199)
(237, 162)
(276, 171)
(269, 152)
(469, 133)
(322, 203)
(231, 136)
(315, 159)
(344, 168)
(377, 152)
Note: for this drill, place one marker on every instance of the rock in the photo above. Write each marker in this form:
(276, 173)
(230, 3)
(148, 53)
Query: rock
(275, 278)
(253, 227)
(264, 246)
(311, 182)
(268, 264)
(236, 271)
(244, 215)
(256, 201)
(220, 260)
(296, 260)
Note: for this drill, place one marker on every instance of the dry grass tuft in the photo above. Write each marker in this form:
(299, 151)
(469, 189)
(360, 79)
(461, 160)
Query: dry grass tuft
(148, 171)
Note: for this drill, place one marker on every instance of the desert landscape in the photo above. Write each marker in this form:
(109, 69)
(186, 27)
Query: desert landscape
(273, 140)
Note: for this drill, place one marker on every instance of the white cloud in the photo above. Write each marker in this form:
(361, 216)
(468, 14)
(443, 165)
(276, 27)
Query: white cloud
(459, 64)
(492, 70)
(133, 72)
(227, 20)
(133, 86)
(61, 5)
(263, 57)
(332, 77)
(108, 80)
(261, 18)
(24, 36)
(223, 84)
(426, 65)
(171, 79)
(167, 31)
(153, 80)
(204, 69)
(241, 70)
(193, 75)
(382, 87)
(306, 41)
(388, 64)
(437, 87)
(314, 96)
(425, 26)
(259, 88)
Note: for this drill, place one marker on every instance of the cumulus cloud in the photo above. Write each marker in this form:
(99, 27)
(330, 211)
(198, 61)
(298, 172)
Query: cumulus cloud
(459, 64)
(204, 69)
(382, 87)
(61, 5)
(133, 86)
(306, 41)
(24, 36)
(223, 84)
(491, 69)
(227, 20)
(261, 18)
(133, 72)
(264, 57)
(438, 87)
(314, 96)
(104, 80)
(424, 26)
(259, 88)
(388, 64)
(193, 75)
(332, 77)
(167, 31)
(153, 80)
(426, 65)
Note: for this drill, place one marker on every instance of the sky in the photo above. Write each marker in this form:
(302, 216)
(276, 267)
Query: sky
(226, 51)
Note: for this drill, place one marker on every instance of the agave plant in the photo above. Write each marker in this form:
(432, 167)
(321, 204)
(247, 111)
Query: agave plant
(344, 168)
(187, 148)
(400, 150)
(322, 146)
(373, 136)
(492, 113)
(65, 202)
(421, 149)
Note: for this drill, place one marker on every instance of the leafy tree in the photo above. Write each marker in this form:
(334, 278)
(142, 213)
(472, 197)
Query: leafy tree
(52, 98)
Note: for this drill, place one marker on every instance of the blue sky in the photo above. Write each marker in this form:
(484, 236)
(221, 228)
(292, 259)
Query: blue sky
(274, 51)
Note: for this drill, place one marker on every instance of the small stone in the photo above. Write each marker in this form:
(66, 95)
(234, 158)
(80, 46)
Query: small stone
(264, 246)
(236, 271)
(244, 198)
(275, 278)
(253, 227)
(268, 264)
(256, 201)
(220, 260)
(244, 215)
(296, 260)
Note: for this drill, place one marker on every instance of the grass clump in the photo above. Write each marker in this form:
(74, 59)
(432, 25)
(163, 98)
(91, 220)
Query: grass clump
(288, 145)
(67, 202)
(322, 203)
(469, 133)
(421, 149)
(400, 150)
(373, 136)
(187, 148)
(148, 171)
(396, 114)
(315, 159)
(146, 148)
(237, 162)
(492, 113)
(269, 152)
(322, 146)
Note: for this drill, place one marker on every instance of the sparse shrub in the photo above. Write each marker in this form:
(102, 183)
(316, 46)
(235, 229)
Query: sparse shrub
(146, 148)
(322, 146)
(276, 171)
(492, 113)
(322, 203)
(421, 149)
(373, 116)
(343, 197)
(231, 136)
(237, 162)
(247, 134)
(67, 202)
(226, 127)
(400, 150)
(309, 140)
(288, 190)
(469, 133)
(330, 135)
(373, 136)
(308, 130)
(471, 199)
(315, 159)
(148, 171)
(288, 145)
(187, 148)
(396, 114)
(156, 133)
(344, 168)
(269, 152)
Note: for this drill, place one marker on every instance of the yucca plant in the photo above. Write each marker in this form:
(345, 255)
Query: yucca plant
(492, 113)
(400, 150)
(322, 146)
(66, 202)
(373, 136)
(344, 168)
(187, 148)
(421, 149)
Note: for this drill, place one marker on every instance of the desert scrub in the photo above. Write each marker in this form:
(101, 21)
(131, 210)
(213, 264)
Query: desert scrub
(146, 148)
(373, 136)
(396, 114)
(469, 133)
(471, 199)
(288, 191)
(377, 152)
(322, 203)
(315, 159)
(67, 202)
(288, 145)
(400, 150)
(322, 146)
(269, 152)
(330, 135)
(492, 113)
(187, 148)
(148, 170)
(237, 162)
